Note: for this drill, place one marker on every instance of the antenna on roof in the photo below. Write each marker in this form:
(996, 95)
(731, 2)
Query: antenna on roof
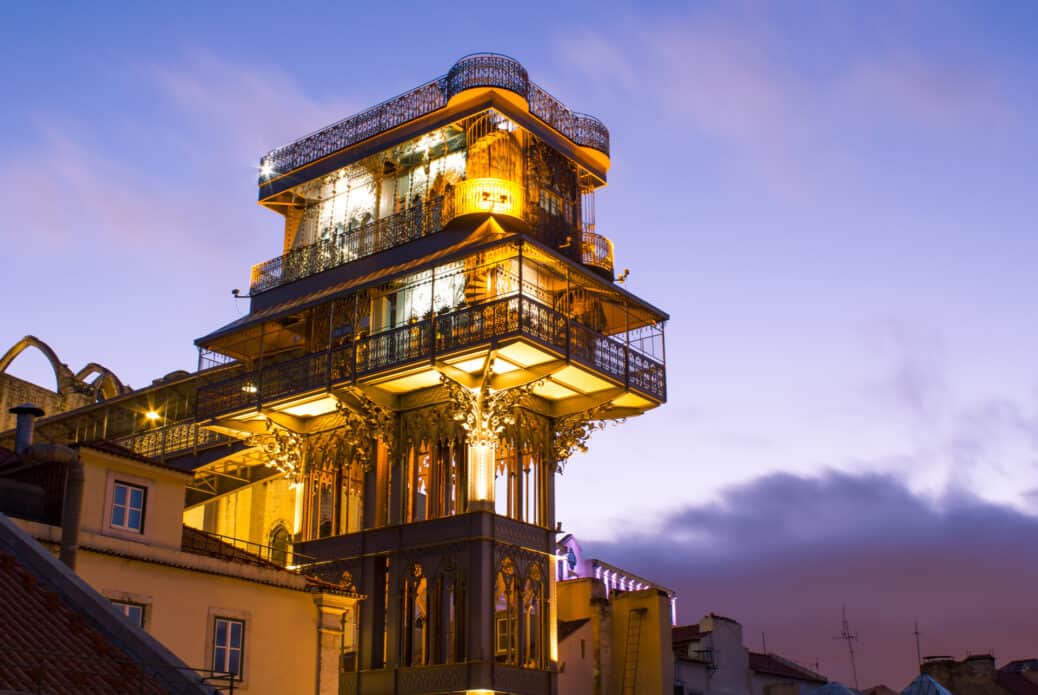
(849, 637)
(918, 652)
(763, 642)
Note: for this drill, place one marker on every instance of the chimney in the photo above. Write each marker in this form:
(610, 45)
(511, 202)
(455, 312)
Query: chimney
(26, 414)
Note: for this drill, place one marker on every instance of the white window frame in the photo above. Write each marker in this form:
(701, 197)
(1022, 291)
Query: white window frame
(128, 506)
(126, 606)
(226, 613)
(114, 478)
(225, 622)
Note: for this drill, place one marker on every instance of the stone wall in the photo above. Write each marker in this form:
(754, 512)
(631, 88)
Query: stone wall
(15, 391)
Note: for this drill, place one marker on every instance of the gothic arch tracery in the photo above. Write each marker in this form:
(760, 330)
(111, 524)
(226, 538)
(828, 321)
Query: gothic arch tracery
(105, 384)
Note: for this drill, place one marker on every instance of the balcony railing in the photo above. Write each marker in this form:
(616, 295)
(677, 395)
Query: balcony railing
(344, 245)
(177, 438)
(427, 339)
(242, 550)
(480, 70)
(596, 251)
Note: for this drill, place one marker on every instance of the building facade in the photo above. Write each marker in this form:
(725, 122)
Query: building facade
(218, 604)
(444, 327)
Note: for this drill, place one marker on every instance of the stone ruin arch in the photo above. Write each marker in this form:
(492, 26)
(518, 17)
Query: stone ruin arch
(105, 384)
(91, 384)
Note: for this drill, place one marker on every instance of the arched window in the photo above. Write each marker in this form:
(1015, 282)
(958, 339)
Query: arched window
(534, 637)
(506, 594)
(280, 540)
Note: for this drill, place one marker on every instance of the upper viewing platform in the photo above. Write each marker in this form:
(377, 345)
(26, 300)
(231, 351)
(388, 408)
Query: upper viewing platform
(481, 74)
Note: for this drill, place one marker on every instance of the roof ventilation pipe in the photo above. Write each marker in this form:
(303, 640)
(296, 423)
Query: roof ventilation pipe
(72, 505)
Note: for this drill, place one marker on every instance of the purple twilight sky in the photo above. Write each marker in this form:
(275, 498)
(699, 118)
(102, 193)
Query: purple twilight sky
(836, 203)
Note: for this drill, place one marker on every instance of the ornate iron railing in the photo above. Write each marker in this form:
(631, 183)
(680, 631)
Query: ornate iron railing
(176, 438)
(477, 324)
(394, 347)
(478, 70)
(344, 245)
(596, 250)
(418, 341)
(598, 352)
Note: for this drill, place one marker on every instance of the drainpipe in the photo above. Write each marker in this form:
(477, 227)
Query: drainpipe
(72, 505)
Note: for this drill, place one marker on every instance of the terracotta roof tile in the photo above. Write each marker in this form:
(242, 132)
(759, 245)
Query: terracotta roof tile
(57, 651)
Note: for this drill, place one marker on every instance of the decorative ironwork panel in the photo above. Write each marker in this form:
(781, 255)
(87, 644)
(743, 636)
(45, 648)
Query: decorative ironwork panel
(646, 375)
(597, 351)
(590, 132)
(395, 347)
(171, 439)
(479, 70)
(520, 680)
(596, 250)
(544, 324)
(487, 70)
(477, 324)
(341, 363)
(343, 245)
(432, 679)
(518, 533)
(379, 118)
(294, 376)
(228, 395)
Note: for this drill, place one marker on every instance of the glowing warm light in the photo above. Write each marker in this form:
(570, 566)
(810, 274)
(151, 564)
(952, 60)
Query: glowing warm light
(266, 169)
(497, 196)
(249, 387)
(481, 474)
(152, 415)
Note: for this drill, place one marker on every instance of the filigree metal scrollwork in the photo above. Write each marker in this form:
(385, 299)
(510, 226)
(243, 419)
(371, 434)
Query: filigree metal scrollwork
(283, 449)
(362, 426)
(572, 432)
(483, 413)
(481, 70)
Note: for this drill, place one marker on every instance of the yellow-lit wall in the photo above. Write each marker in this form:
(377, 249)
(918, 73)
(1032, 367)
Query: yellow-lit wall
(280, 624)
(164, 502)
(655, 652)
(183, 592)
(249, 514)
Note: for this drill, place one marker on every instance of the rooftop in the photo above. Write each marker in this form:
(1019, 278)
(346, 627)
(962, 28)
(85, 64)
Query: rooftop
(774, 665)
(70, 639)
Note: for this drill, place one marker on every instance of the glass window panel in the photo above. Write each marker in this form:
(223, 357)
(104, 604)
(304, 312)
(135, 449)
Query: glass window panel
(120, 494)
(134, 519)
(118, 516)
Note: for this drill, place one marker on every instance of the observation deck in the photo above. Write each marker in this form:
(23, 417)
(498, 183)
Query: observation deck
(487, 71)
(522, 330)
(482, 195)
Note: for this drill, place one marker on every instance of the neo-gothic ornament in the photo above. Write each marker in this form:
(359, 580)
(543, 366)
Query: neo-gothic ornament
(363, 426)
(483, 413)
(283, 449)
(572, 432)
